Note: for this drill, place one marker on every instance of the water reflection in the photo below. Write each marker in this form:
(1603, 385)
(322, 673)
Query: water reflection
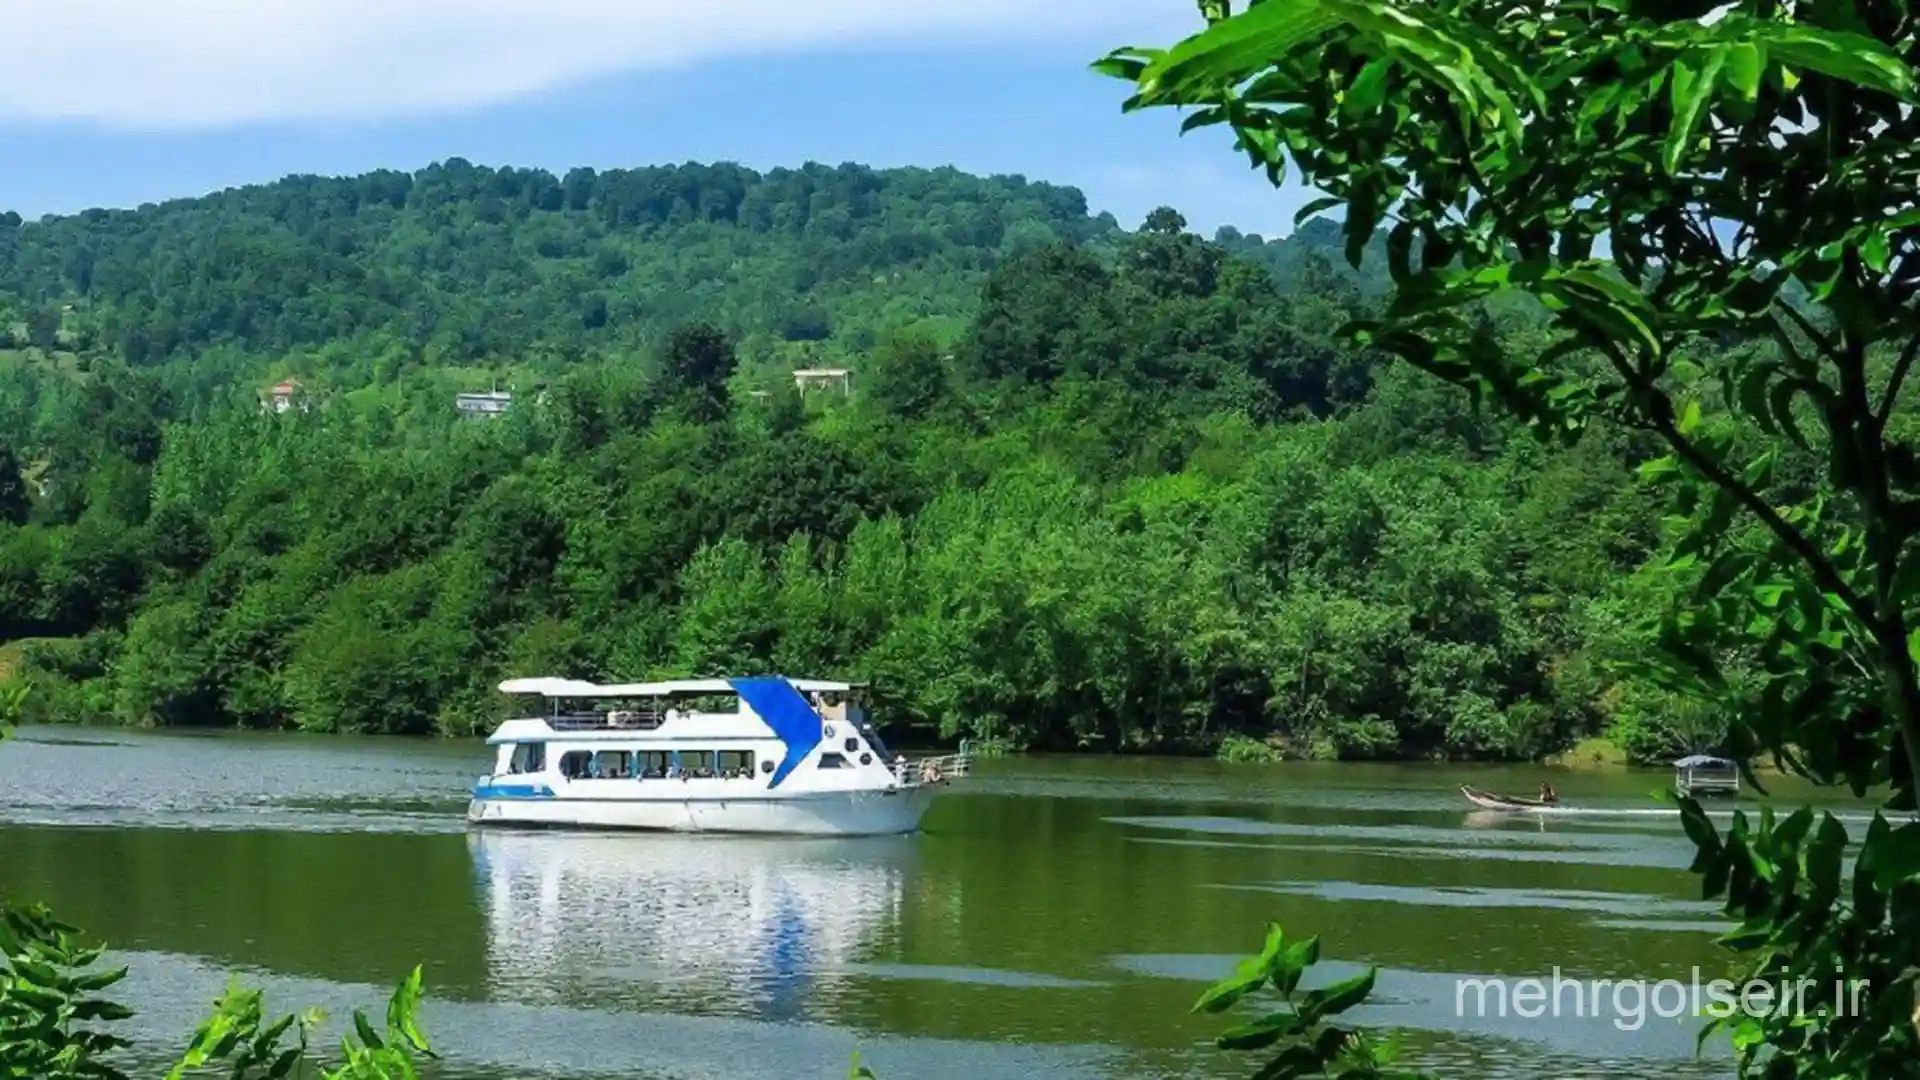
(745, 926)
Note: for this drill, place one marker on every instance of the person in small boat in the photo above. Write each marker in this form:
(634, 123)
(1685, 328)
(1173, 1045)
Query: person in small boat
(1547, 795)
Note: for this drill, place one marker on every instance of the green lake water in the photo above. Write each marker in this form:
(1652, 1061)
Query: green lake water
(1056, 917)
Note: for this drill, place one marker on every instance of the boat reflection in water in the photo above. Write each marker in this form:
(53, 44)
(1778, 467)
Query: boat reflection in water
(743, 926)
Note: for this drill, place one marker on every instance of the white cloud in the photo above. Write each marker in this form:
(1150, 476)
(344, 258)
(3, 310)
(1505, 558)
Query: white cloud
(170, 64)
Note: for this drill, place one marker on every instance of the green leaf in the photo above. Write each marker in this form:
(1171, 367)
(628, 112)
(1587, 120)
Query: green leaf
(1272, 946)
(1341, 996)
(279, 1028)
(1782, 401)
(1369, 89)
(1259, 1034)
(1744, 63)
(1291, 1062)
(38, 973)
(1695, 75)
(1906, 581)
(1203, 118)
(1285, 970)
(1751, 396)
(364, 1028)
(1868, 897)
(1249, 976)
(402, 1009)
(1400, 252)
(1698, 829)
(1659, 468)
(1689, 418)
(1787, 835)
(1231, 49)
(1363, 210)
(1126, 64)
(1296, 958)
(1896, 855)
(1745, 937)
(1824, 857)
(1837, 54)
(1715, 875)
(98, 980)
(1874, 251)
(101, 1010)
(1724, 571)
(1327, 202)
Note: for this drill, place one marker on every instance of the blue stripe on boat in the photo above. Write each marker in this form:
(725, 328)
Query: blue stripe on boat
(512, 791)
(783, 709)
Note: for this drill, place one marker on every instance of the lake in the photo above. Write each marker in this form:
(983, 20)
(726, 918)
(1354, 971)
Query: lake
(1057, 916)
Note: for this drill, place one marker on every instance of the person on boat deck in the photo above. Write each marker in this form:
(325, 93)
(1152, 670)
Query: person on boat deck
(1546, 793)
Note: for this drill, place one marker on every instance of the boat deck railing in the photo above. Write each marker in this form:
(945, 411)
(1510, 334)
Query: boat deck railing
(934, 770)
(643, 719)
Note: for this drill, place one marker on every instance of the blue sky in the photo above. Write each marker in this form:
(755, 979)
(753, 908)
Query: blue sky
(343, 86)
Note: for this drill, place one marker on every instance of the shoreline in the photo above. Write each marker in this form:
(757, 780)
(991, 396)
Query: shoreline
(1588, 756)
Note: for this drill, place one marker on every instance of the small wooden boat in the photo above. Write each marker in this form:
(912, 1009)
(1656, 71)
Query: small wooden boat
(1487, 800)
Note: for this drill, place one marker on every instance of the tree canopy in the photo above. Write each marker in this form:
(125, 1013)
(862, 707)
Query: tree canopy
(1089, 489)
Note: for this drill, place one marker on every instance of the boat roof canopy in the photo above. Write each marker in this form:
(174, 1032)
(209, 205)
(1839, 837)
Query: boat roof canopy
(1703, 761)
(576, 688)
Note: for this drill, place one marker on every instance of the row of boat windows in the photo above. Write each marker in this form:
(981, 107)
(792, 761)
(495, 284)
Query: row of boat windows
(656, 764)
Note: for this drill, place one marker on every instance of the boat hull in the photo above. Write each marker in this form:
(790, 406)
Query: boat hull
(854, 813)
(1486, 800)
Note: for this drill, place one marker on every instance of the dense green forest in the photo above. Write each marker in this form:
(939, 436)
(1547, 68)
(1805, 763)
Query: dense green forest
(1091, 488)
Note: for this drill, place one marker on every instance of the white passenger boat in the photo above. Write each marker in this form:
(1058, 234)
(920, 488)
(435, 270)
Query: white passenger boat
(747, 755)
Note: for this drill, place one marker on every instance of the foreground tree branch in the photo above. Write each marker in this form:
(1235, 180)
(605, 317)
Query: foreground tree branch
(1495, 143)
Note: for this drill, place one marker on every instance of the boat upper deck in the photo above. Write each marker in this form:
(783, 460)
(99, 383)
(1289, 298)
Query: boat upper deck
(663, 711)
(578, 689)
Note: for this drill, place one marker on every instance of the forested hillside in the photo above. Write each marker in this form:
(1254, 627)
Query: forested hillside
(459, 263)
(1091, 488)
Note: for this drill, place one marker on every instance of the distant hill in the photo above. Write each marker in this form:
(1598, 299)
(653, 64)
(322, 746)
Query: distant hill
(460, 263)
(469, 262)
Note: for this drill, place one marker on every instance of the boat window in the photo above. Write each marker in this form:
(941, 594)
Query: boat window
(653, 764)
(853, 746)
(736, 763)
(529, 757)
(832, 761)
(766, 766)
(612, 765)
(697, 764)
(576, 764)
